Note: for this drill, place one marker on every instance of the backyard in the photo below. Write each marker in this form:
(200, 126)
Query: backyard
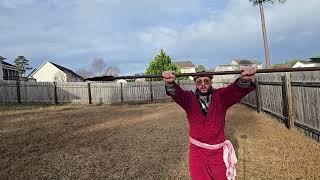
(145, 141)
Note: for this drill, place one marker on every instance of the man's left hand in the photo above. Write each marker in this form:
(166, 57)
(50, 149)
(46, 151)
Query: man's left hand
(248, 73)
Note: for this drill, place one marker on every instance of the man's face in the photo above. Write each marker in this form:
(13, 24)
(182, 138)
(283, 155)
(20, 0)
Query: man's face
(203, 84)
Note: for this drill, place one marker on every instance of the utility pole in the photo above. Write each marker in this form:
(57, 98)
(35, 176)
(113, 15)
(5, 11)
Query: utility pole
(264, 31)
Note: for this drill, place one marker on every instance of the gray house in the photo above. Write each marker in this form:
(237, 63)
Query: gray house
(8, 71)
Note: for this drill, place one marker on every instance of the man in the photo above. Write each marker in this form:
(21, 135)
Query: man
(211, 156)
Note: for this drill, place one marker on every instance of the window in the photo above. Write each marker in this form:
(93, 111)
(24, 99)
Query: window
(5, 74)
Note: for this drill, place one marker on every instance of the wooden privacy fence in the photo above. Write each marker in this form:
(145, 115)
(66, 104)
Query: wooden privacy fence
(83, 92)
(293, 98)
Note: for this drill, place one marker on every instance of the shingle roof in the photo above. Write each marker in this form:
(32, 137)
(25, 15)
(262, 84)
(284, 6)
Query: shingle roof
(247, 62)
(66, 70)
(315, 60)
(8, 64)
(184, 64)
(307, 62)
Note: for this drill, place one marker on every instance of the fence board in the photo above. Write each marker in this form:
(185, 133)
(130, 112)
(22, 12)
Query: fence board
(8, 91)
(42, 92)
(72, 92)
(306, 99)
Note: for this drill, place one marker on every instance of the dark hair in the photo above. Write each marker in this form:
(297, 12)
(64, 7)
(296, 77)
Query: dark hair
(196, 77)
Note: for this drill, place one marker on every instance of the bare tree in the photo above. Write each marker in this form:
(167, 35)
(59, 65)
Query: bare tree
(263, 23)
(112, 71)
(98, 66)
(84, 73)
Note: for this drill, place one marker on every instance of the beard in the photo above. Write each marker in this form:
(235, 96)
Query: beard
(198, 91)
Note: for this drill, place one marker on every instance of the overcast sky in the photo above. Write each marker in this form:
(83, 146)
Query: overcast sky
(128, 34)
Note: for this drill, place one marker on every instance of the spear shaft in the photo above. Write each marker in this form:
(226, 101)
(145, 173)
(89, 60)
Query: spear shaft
(112, 78)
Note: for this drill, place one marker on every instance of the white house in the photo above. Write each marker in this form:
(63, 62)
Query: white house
(235, 65)
(186, 67)
(311, 62)
(7, 70)
(246, 62)
(50, 72)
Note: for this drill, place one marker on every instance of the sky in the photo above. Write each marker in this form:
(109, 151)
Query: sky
(129, 34)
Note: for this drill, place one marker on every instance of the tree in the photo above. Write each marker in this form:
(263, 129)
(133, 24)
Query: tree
(112, 71)
(22, 64)
(98, 65)
(200, 68)
(85, 73)
(162, 62)
(263, 23)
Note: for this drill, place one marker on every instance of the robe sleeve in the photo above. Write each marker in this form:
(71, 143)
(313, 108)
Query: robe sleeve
(177, 94)
(234, 92)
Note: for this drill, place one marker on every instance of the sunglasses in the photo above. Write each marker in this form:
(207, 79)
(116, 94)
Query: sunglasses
(205, 81)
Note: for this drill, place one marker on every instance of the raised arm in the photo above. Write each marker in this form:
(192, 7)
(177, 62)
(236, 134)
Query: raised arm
(174, 90)
(233, 93)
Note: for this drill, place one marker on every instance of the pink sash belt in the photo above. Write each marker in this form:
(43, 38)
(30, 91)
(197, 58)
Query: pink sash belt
(229, 156)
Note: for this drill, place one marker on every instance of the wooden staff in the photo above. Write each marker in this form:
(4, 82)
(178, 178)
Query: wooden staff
(112, 78)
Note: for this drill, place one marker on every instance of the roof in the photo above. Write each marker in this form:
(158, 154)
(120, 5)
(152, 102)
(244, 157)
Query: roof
(2, 58)
(315, 60)
(66, 70)
(8, 64)
(307, 62)
(247, 61)
(184, 64)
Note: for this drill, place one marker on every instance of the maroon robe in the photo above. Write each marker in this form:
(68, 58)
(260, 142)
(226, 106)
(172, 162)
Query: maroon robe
(203, 163)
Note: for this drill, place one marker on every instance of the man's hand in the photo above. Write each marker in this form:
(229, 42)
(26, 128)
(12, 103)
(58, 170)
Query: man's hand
(248, 73)
(168, 76)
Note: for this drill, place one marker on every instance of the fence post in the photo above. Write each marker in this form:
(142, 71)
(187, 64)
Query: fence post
(55, 93)
(291, 115)
(89, 93)
(151, 92)
(258, 99)
(121, 91)
(18, 90)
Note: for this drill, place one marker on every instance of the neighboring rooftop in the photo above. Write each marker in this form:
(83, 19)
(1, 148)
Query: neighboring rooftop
(247, 62)
(184, 64)
(66, 70)
(8, 64)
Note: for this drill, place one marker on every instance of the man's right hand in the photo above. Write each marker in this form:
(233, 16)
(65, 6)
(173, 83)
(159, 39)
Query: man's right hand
(169, 76)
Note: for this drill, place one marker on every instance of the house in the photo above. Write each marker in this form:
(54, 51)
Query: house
(7, 70)
(311, 62)
(235, 65)
(50, 72)
(186, 67)
(246, 62)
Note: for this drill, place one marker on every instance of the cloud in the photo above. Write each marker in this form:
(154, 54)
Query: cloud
(123, 32)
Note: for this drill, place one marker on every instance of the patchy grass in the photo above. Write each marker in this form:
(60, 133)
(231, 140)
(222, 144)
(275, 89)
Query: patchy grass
(145, 141)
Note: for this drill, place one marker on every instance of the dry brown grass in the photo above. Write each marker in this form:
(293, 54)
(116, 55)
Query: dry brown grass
(148, 141)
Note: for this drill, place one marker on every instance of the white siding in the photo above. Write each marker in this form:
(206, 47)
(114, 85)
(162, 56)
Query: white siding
(299, 64)
(188, 70)
(49, 73)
